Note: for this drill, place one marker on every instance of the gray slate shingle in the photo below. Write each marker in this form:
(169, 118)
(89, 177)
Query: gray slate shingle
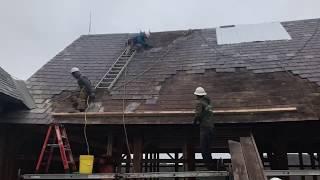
(7, 85)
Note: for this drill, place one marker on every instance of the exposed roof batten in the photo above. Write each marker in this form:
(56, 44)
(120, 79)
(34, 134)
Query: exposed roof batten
(251, 33)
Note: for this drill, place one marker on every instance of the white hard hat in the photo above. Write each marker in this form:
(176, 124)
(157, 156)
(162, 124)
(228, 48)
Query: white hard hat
(148, 34)
(200, 92)
(74, 69)
(275, 178)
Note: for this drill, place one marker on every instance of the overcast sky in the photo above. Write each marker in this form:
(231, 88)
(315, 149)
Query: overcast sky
(33, 31)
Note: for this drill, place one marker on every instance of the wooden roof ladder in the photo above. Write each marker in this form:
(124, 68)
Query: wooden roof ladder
(115, 71)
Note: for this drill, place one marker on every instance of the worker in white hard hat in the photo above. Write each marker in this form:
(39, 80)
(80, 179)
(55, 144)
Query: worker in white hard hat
(139, 41)
(275, 178)
(203, 116)
(147, 34)
(86, 93)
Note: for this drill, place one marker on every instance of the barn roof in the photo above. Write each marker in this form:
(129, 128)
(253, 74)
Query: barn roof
(251, 74)
(7, 85)
(14, 91)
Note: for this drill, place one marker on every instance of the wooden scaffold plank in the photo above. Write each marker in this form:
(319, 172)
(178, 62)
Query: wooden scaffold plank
(269, 173)
(252, 159)
(174, 113)
(238, 163)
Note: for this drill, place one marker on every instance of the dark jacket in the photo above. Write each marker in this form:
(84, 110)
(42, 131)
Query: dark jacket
(139, 39)
(85, 83)
(203, 113)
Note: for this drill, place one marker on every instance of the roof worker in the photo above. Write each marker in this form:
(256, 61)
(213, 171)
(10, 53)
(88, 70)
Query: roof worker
(204, 117)
(139, 41)
(86, 94)
(275, 178)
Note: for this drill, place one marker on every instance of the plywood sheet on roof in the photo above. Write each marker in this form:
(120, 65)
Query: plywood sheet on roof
(251, 33)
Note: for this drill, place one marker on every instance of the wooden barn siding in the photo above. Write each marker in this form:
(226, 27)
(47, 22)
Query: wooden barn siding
(19, 147)
(8, 147)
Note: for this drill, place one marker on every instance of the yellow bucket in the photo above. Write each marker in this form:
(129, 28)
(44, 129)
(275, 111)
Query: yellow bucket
(86, 164)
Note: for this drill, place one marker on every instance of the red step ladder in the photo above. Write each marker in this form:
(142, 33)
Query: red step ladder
(56, 137)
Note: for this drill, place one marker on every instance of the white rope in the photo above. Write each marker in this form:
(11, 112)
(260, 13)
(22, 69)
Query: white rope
(123, 117)
(85, 126)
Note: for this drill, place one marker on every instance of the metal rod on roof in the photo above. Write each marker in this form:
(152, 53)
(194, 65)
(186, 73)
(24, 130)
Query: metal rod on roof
(89, 23)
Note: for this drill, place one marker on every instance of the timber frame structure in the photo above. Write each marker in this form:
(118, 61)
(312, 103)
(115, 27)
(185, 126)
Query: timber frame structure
(265, 97)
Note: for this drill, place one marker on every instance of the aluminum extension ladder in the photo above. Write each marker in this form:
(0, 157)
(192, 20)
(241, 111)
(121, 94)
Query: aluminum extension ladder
(114, 72)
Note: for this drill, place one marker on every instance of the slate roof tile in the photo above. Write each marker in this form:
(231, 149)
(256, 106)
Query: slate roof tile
(7, 85)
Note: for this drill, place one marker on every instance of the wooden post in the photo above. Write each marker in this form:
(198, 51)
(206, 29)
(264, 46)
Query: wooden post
(6, 156)
(318, 159)
(109, 145)
(155, 162)
(2, 152)
(176, 164)
(158, 163)
(128, 162)
(137, 154)
(188, 154)
(10, 155)
(118, 154)
(150, 164)
(146, 162)
(280, 157)
(313, 164)
(301, 164)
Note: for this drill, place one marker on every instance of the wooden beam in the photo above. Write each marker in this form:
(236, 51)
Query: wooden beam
(128, 162)
(318, 159)
(137, 154)
(166, 174)
(306, 172)
(252, 159)
(313, 164)
(146, 163)
(173, 113)
(238, 163)
(118, 153)
(189, 156)
(158, 163)
(109, 145)
(150, 164)
(176, 164)
(301, 164)
(129, 175)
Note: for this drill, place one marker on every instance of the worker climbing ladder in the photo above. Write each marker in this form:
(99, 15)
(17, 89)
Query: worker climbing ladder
(114, 72)
(56, 137)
